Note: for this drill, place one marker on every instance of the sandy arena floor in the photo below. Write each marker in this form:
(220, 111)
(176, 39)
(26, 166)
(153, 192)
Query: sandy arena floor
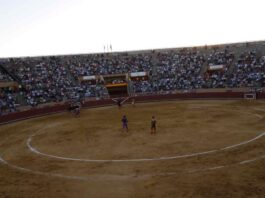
(201, 149)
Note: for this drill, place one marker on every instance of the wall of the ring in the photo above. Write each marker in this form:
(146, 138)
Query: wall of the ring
(36, 112)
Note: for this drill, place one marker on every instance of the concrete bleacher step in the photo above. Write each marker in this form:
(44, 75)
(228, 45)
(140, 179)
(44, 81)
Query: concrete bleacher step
(13, 76)
(154, 62)
(131, 90)
(70, 76)
(20, 99)
(232, 66)
(204, 68)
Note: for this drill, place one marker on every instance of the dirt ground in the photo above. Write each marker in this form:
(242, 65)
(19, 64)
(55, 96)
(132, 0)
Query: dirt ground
(203, 148)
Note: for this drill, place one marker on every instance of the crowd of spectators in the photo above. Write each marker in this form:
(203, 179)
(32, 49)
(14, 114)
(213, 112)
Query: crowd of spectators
(143, 86)
(53, 79)
(249, 71)
(7, 101)
(87, 90)
(105, 64)
(218, 78)
(179, 70)
(44, 79)
(5, 77)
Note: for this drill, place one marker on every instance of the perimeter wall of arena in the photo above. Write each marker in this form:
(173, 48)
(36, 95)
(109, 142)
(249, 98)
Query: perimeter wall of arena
(41, 111)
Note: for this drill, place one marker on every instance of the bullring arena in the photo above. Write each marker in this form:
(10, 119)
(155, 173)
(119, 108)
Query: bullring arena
(203, 148)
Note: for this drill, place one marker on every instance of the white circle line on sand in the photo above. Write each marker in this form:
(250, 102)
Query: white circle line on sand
(34, 150)
(39, 172)
(259, 109)
(124, 177)
(144, 175)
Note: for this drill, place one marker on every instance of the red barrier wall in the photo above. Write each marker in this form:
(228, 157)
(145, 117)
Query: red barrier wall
(36, 112)
(260, 95)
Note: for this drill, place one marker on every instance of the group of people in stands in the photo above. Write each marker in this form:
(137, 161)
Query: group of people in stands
(179, 70)
(7, 96)
(89, 65)
(54, 79)
(4, 77)
(7, 101)
(249, 71)
(217, 79)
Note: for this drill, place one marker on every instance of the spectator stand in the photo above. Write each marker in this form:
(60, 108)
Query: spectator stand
(140, 82)
(219, 63)
(8, 97)
(249, 70)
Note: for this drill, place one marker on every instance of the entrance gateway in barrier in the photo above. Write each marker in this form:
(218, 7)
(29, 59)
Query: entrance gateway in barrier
(116, 84)
(250, 96)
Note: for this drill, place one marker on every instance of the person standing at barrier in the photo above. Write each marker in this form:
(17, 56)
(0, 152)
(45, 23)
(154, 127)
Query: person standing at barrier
(133, 102)
(119, 103)
(77, 109)
(153, 125)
